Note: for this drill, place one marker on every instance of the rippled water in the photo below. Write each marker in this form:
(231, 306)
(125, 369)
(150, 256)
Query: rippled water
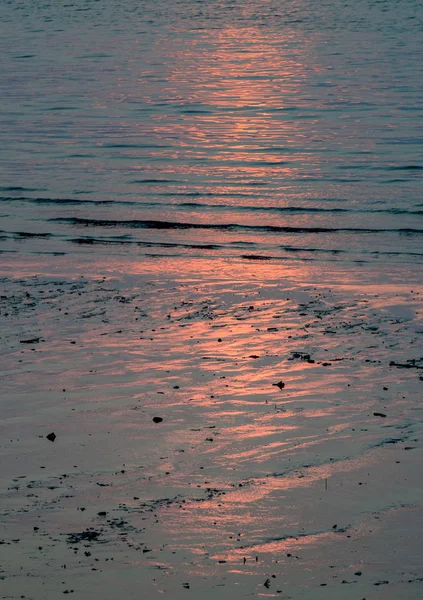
(211, 212)
(286, 130)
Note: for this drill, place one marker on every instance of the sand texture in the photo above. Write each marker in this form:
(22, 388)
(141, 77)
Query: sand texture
(287, 462)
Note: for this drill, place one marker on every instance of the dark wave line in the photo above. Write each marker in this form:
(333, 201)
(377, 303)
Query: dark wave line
(152, 224)
(150, 181)
(18, 188)
(295, 209)
(129, 240)
(201, 194)
(136, 146)
(27, 235)
(256, 257)
(107, 242)
(405, 168)
(205, 206)
(68, 201)
(381, 167)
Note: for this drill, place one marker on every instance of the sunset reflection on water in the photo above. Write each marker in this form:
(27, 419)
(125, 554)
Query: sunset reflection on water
(211, 239)
(236, 88)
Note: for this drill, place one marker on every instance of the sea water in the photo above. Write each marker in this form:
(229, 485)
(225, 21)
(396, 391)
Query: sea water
(286, 131)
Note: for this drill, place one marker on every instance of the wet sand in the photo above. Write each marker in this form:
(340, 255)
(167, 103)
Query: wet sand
(287, 462)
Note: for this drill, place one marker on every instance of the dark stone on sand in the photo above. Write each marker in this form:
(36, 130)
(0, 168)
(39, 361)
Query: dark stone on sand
(102, 513)
(51, 436)
(280, 385)
(85, 536)
(301, 355)
(410, 364)
(31, 341)
(157, 419)
(379, 414)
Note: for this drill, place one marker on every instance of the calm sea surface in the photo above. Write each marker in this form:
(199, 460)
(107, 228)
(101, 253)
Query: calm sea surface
(211, 213)
(255, 129)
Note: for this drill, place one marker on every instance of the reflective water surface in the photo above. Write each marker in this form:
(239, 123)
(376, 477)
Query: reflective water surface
(122, 121)
(212, 214)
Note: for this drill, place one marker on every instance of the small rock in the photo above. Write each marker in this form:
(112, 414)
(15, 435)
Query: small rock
(379, 414)
(51, 436)
(280, 385)
(157, 419)
(31, 341)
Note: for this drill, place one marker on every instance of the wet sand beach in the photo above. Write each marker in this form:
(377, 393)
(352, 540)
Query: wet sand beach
(286, 463)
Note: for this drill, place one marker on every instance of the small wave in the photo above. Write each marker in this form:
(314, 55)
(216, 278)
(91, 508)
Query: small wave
(129, 240)
(67, 201)
(152, 224)
(396, 180)
(212, 206)
(405, 168)
(201, 194)
(18, 188)
(28, 235)
(153, 181)
(92, 241)
(256, 257)
(188, 111)
(281, 209)
(380, 167)
(137, 146)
